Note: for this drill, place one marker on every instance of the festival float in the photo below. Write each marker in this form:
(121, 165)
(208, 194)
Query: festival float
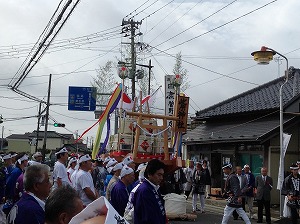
(142, 134)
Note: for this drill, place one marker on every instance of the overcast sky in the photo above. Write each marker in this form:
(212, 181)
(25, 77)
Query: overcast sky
(215, 38)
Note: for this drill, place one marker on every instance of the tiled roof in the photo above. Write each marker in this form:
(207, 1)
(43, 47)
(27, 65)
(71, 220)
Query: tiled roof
(264, 97)
(19, 136)
(50, 134)
(233, 130)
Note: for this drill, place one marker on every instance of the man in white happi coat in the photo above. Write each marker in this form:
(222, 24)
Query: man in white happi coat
(60, 175)
(84, 182)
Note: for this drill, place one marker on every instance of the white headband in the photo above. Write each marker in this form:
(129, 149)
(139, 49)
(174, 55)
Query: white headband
(37, 154)
(111, 163)
(63, 150)
(8, 156)
(25, 157)
(246, 166)
(118, 166)
(72, 160)
(127, 160)
(141, 166)
(106, 160)
(126, 170)
(84, 158)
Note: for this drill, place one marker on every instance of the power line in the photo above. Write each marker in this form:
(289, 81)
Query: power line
(221, 77)
(175, 21)
(164, 18)
(231, 21)
(157, 10)
(209, 70)
(143, 9)
(216, 12)
(136, 9)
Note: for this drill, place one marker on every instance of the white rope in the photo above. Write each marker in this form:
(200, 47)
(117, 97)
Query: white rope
(151, 134)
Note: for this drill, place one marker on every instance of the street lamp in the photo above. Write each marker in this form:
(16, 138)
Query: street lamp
(264, 56)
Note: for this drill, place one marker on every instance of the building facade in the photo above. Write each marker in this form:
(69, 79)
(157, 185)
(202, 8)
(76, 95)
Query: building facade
(245, 130)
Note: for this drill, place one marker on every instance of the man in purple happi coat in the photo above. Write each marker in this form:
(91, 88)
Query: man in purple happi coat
(119, 194)
(148, 203)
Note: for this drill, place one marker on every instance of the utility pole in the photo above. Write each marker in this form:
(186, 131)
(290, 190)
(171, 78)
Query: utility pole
(38, 127)
(149, 81)
(47, 117)
(131, 26)
(2, 138)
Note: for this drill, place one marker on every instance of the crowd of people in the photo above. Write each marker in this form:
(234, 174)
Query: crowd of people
(30, 193)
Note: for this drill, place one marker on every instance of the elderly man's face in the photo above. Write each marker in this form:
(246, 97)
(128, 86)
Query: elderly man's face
(264, 171)
(43, 188)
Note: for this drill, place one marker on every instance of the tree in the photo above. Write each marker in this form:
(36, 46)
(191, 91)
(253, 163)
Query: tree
(105, 82)
(180, 70)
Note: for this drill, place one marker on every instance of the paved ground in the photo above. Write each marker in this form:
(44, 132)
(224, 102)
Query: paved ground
(214, 213)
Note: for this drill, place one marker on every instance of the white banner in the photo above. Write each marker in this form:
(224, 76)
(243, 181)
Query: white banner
(285, 142)
(99, 211)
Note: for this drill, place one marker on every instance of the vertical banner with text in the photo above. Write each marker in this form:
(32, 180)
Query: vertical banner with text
(169, 97)
(182, 108)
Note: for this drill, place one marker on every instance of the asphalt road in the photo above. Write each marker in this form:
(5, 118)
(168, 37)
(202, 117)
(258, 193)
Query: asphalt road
(214, 214)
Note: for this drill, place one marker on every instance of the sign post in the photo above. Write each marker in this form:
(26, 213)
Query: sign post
(82, 98)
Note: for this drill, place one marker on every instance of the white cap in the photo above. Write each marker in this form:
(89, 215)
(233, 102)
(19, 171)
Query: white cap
(126, 170)
(8, 156)
(118, 166)
(111, 162)
(72, 160)
(63, 150)
(84, 158)
(37, 154)
(141, 166)
(127, 160)
(23, 158)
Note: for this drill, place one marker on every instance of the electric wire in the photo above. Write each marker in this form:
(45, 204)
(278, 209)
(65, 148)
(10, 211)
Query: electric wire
(147, 7)
(175, 21)
(216, 12)
(157, 10)
(136, 9)
(209, 70)
(159, 22)
(224, 24)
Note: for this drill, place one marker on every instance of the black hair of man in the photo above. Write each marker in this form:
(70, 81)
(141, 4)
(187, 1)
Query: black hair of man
(61, 200)
(153, 166)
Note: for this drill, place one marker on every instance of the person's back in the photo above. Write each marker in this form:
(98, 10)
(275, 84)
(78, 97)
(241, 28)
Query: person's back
(30, 208)
(26, 210)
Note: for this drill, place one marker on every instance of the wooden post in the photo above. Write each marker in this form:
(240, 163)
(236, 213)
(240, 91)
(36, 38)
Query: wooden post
(166, 147)
(137, 137)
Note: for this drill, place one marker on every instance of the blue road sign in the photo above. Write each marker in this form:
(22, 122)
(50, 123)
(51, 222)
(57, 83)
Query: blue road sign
(82, 98)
